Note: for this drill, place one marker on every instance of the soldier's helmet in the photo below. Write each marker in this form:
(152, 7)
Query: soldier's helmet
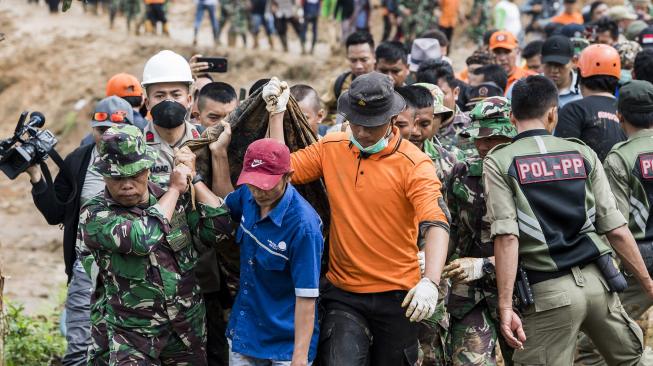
(490, 117)
(122, 152)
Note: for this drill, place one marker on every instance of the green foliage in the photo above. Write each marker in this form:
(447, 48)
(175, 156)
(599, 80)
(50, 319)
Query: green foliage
(32, 340)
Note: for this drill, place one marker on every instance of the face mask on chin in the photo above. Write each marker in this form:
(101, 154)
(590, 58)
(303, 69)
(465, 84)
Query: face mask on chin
(169, 114)
(372, 149)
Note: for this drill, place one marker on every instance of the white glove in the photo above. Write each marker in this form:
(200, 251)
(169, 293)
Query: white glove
(276, 94)
(421, 259)
(421, 300)
(464, 270)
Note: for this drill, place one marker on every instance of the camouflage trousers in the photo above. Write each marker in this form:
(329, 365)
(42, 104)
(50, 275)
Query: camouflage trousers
(433, 334)
(179, 342)
(98, 352)
(473, 338)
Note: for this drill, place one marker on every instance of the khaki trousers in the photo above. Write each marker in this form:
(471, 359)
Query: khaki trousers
(579, 301)
(635, 301)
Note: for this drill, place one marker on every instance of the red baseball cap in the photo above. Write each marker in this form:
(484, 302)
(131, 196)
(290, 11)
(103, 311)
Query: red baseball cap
(265, 162)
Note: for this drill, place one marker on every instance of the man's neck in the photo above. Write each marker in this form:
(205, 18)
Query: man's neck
(530, 124)
(171, 135)
(587, 92)
(630, 130)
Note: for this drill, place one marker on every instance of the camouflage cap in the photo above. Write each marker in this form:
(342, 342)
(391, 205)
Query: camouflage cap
(122, 152)
(490, 117)
(438, 100)
(627, 52)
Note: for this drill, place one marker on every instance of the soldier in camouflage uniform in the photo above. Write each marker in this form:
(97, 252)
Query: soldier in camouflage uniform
(235, 12)
(142, 241)
(479, 21)
(473, 296)
(418, 123)
(417, 17)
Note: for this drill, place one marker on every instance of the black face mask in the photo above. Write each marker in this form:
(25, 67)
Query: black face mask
(168, 114)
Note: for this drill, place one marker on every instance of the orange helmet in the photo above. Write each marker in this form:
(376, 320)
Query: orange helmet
(124, 85)
(599, 59)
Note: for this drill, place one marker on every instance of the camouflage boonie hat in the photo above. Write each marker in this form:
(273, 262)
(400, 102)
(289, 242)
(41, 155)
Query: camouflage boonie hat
(122, 152)
(490, 117)
(627, 52)
(438, 100)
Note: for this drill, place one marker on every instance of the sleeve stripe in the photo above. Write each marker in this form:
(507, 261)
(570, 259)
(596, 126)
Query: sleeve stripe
(307, 292)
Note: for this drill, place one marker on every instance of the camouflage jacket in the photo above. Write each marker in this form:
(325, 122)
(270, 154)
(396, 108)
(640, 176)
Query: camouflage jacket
(444, 159)
(146, 262)
(470, 234)
(421, 19)
(448, 133)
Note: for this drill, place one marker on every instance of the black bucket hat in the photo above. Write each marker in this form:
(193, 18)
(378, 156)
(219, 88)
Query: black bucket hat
(370, 101)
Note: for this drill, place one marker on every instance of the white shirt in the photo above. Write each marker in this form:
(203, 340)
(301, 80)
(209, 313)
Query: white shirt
(507, 16)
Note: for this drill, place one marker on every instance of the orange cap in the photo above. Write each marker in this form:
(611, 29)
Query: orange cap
(599, 59)
(503, 39)
(124, 85)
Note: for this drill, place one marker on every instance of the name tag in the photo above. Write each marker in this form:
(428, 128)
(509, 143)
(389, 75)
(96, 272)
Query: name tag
(646, 165)
(550, 167)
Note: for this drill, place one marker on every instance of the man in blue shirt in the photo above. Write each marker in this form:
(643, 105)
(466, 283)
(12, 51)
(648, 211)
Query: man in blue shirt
(273, 321)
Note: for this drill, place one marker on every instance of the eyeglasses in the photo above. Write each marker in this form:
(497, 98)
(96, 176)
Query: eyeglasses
(116, 117)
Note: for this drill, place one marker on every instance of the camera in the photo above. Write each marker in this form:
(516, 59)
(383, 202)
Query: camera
(35, 145)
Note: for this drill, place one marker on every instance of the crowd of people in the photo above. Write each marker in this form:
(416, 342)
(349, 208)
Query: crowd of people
(504, 205)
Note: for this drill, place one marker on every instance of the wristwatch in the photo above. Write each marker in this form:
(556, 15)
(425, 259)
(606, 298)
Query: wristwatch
(198, 178)
(488, 267)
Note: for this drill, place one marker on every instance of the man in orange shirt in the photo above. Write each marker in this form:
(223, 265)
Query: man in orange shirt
(505, 48)
(449, 17)
(382, 191)
(569, 15)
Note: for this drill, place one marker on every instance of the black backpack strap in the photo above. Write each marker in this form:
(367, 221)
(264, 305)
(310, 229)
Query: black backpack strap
(340, 81)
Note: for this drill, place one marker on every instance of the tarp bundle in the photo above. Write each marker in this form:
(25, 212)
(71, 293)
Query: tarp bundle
(249, 122)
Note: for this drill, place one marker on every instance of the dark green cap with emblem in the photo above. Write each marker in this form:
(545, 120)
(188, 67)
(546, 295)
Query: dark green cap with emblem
(122, 152)
(490, 117)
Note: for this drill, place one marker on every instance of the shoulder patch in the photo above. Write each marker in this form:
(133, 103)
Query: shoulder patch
(646, 165)
(550, 167)
(574, 139)
(149, 136)
(499, 147)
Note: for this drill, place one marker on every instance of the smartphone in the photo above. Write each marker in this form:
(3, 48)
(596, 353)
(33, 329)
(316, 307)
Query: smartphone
(216, 64)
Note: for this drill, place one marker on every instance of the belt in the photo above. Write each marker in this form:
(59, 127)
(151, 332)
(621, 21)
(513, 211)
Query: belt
(541, 276)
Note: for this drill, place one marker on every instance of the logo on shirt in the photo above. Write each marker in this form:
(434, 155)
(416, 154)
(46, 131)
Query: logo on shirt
(646, 165)
(256, 163)
(160, 169)
(550, 167)
(281, 247)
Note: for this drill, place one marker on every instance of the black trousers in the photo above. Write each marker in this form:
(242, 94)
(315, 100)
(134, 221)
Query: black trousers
(365, 329)
(156, 13)
(217, 348)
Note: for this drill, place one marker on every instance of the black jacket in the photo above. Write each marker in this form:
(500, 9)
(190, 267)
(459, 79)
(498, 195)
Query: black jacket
(55, 214)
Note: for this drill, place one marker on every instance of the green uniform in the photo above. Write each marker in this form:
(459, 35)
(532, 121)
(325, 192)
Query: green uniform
(629, 168)
(420, 20)
(554, 196)
(154, 310)
(473, 306)
(433, 333)
(479, 19)
(449, 133)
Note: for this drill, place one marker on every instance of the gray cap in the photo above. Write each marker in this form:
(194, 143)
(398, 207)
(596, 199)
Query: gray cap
(634, 29)
(371, 100)
(620, 12)
(108, 110)
(423, 49)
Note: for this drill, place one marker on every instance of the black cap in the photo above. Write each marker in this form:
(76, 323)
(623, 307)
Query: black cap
(371, 100)
(569, 1)
(645, 37)
(482, 91)
(557, 49)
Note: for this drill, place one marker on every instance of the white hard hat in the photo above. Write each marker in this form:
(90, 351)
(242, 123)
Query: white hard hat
(166, 67)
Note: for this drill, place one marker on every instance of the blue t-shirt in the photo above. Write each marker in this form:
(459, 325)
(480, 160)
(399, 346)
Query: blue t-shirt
(279, 259)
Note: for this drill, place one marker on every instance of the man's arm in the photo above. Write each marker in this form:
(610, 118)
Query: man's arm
(617, 174)
(221, 180)
(623, 242)
(506, 256)
(436, 241)
(304, 326)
